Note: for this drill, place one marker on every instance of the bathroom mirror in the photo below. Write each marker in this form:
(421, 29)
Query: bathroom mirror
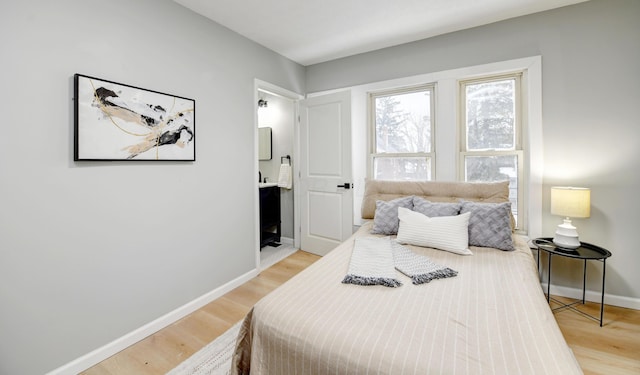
(264, 143)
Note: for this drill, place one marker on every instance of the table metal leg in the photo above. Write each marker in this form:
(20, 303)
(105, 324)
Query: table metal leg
(584, 280)
(549, 280)
(604, 269)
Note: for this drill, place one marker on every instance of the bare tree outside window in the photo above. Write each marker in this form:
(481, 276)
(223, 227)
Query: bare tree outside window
(490, 109)
(491, 149)
(403, 128)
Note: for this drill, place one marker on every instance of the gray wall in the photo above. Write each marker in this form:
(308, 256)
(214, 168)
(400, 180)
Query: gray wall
(590, 59)
(91, 251)
(86, 253)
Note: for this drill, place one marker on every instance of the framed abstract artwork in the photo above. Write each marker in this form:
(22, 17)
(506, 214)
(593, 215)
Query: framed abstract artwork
(114, 121)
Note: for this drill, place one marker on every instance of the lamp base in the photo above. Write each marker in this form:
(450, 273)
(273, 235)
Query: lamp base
(566, 236)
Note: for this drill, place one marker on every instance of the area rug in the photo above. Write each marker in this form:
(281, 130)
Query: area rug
(213, 359)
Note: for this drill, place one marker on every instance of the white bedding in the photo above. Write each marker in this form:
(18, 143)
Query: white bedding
(492, 318)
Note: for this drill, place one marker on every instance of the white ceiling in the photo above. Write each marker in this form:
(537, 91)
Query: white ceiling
(310, 32)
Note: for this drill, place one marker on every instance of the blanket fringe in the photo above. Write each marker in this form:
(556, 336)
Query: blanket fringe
(427, 277)
(361, 280)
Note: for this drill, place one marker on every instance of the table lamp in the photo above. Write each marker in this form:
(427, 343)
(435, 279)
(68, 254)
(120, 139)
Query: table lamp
(569, 202)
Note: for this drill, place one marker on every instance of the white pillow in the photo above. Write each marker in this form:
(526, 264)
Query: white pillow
(449, 233)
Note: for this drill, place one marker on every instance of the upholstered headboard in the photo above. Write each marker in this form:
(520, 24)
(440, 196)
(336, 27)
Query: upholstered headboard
(435, 191)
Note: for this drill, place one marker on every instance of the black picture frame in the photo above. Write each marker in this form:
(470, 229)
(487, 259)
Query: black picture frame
(115, 121)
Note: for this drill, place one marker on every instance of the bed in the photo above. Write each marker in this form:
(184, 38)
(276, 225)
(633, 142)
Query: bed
(491, 317)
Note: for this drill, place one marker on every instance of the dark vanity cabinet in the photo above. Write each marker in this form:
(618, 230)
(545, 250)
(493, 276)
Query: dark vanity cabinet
(269, 216)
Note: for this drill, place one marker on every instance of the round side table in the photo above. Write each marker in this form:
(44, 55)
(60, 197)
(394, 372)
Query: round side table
(585, 252)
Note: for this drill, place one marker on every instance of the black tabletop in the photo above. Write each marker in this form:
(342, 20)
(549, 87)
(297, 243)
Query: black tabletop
(585, 251)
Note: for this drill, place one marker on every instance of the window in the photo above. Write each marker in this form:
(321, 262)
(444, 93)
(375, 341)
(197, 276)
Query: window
(402, 122)
(491, 128)
(516, 156)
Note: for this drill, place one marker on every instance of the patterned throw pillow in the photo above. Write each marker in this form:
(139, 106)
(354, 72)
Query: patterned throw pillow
(385, 220)
(489, 225)
(447, 233)
(435, 209)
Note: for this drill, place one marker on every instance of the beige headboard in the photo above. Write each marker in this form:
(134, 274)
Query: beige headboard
(489, 192)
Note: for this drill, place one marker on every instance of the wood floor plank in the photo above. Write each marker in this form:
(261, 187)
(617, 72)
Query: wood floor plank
(227, 309)
(611, 349)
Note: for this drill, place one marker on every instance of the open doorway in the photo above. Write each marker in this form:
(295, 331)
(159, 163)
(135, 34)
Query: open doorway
(276, 116)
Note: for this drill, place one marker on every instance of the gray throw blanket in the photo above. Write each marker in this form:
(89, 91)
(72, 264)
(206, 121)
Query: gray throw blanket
(418, 267)
(373, 261)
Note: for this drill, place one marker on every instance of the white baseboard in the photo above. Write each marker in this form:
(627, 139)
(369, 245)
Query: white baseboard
(92, 358)
(594, 296)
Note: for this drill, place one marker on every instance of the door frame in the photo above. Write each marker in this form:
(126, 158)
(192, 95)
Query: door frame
(294, 97)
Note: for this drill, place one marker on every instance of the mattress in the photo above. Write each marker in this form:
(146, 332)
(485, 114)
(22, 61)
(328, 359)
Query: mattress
(492, 318)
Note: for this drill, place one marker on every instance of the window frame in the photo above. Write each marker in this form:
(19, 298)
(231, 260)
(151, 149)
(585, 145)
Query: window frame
(371, 120)
(518, 151)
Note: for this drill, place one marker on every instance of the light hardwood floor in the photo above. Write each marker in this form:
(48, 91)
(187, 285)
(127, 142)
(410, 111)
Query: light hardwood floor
(612, 349)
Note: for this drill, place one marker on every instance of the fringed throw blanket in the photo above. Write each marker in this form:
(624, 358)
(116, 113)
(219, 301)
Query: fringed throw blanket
(374, 260)
(418, 267)
(372, 263)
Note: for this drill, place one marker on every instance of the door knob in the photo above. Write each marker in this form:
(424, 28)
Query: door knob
(346, 185)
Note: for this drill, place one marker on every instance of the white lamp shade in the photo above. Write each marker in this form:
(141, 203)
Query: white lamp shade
(571, 201)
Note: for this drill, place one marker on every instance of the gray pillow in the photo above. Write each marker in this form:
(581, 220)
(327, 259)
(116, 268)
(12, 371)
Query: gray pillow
(435, 209)
(386, 220)
(489, 224)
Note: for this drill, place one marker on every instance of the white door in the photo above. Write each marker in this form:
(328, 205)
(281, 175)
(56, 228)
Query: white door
(326, 196)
